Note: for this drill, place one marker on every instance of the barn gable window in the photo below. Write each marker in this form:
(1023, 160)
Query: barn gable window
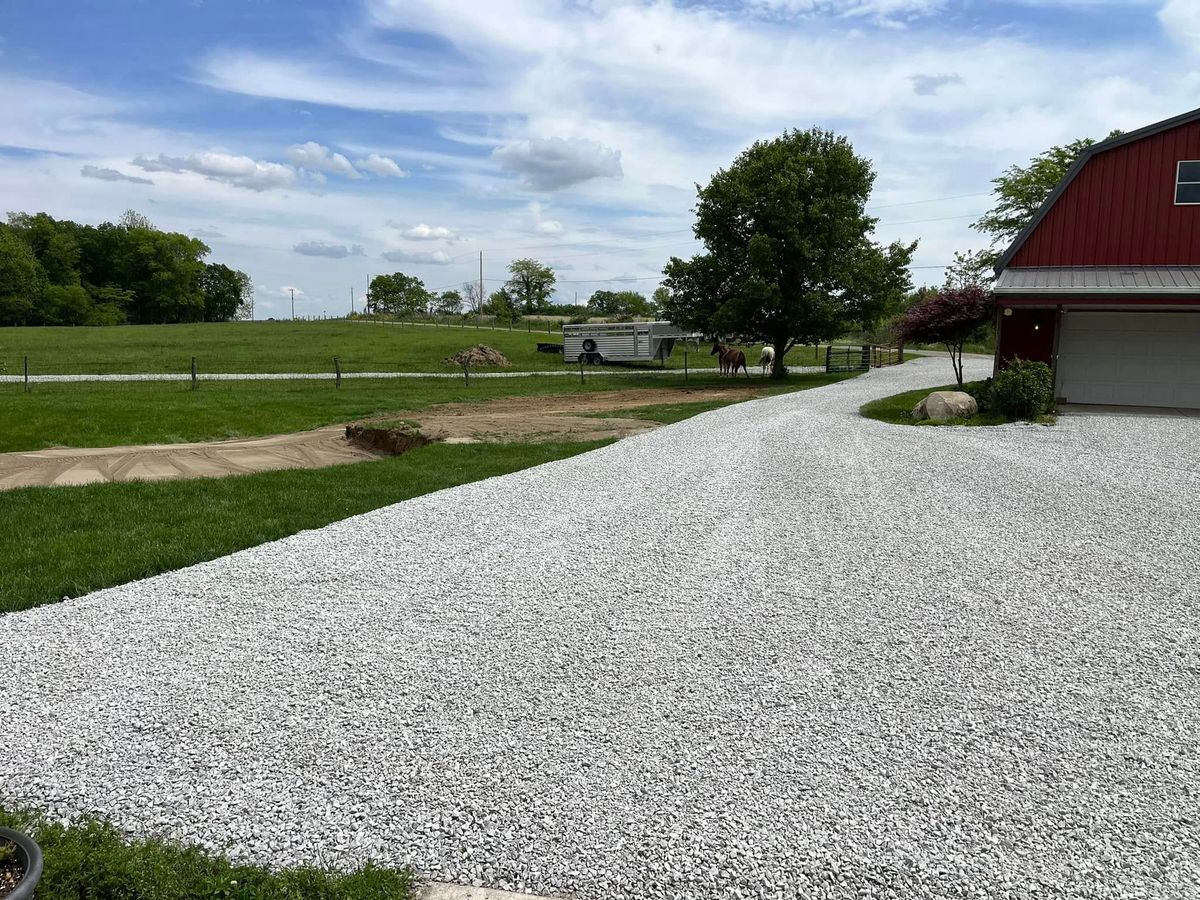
(1187, 183)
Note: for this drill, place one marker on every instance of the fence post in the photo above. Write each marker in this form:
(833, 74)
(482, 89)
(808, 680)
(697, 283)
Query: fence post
(193, 373)
(337, 367)
(581, 368)
(467, 373)
(685, 365)
(27, 374)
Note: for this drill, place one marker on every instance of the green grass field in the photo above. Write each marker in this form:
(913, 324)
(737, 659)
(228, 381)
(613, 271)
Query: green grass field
(90, 860)
(64, 542)
(104, 414)
(271, 347)
(67, 541)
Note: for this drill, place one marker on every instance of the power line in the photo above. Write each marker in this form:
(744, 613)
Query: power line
(930, 200)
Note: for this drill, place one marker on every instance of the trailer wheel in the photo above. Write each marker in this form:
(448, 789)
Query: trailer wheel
(589, 345)
(584, 357)
(595, 359)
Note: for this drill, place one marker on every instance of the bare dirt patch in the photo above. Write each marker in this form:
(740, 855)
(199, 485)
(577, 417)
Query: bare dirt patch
(479, 356)
(569, 417)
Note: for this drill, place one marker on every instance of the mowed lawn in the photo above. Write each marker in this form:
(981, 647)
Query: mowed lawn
(105, 414)
(71, 540)
(278, 347)
(63, 542)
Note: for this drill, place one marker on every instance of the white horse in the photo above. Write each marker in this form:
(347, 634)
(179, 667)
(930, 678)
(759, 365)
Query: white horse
(766, 359)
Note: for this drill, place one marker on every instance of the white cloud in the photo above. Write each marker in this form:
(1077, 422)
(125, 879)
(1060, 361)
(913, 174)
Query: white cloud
(542, 224)
(432, 258)
(239, 171)
(1181, 21)
(287, 289)
(550, 164)
(318, 158)
(103, 174)
(427, 233)
(332, 251)
(382, 166)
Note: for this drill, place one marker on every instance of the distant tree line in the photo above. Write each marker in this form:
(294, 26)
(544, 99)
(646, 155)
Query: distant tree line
(58, 272)
(529, 291)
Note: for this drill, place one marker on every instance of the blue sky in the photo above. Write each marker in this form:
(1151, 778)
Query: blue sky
(314, 144)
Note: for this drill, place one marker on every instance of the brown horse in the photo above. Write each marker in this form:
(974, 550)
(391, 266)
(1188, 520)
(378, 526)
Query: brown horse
(731, 359)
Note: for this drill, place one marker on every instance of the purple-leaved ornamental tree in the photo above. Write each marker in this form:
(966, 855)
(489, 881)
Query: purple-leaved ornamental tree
(950, 317)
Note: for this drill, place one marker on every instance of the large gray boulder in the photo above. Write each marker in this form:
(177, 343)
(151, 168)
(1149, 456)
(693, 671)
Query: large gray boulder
(942, 405)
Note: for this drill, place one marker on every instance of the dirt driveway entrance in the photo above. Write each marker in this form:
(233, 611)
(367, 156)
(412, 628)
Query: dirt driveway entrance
(568, 417)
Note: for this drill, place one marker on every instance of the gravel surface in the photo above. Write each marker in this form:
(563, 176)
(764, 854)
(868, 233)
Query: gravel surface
(776, 650)
(592, 371)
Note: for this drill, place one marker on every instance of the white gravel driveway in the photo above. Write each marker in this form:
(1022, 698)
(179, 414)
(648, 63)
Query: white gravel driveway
(774, 651)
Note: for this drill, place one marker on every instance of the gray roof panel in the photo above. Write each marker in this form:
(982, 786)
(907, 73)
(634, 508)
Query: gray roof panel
(1099, 280)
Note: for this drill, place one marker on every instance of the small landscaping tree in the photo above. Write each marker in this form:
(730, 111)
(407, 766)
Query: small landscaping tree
(950, 317)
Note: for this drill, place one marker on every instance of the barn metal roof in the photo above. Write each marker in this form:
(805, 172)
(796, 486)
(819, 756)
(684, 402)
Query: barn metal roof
(1099, 280)
(1110, 144)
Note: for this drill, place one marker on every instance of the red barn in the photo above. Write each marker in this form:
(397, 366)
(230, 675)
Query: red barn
(1104, 282)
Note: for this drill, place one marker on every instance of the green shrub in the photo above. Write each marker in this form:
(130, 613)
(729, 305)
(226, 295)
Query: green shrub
(1024, 390)
(982, 392)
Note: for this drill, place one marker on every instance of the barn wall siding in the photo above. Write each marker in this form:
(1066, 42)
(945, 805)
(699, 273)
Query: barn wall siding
(1120, 210)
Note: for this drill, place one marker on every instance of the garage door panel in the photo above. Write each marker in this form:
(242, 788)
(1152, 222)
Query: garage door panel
(1130, 358)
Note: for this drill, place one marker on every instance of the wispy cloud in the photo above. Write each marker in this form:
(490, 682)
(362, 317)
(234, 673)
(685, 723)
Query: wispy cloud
(102, 174)
(332, 251)
(239, 171)
(551, 164)
(431, 258)
(317, 158)
(382, 166)
(427, 233)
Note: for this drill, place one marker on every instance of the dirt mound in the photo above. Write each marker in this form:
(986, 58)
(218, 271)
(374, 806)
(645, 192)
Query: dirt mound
(392, 441)
(478, 356)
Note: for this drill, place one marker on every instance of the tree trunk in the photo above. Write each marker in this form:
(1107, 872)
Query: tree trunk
(781, 348)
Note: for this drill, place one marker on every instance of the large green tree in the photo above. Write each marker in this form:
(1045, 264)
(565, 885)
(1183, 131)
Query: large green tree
(530, 285)
(789, 256)
(226, 292)
(1021, 190)
(21, 279)
(398, 294)
(622, 304)
(54, 243)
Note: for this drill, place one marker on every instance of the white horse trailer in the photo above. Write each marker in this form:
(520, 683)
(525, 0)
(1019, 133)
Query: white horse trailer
(621, 341)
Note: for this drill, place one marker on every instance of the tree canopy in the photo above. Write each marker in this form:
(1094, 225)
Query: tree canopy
(398, 294)
(58, 272)
(620, 304)
(1021, 190)
(530, 285)
(788, 251)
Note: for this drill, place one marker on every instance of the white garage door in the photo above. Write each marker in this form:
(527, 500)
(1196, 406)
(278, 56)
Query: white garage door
(1130, 358)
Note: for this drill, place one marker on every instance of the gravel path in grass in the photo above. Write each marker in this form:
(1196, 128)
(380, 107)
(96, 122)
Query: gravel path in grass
(776, 650)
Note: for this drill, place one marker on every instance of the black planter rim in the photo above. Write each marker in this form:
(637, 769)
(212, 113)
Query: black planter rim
(31, 857)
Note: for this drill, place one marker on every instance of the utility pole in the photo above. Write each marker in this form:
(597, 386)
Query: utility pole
(351, 299)
(292, 291)
(482, 296)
